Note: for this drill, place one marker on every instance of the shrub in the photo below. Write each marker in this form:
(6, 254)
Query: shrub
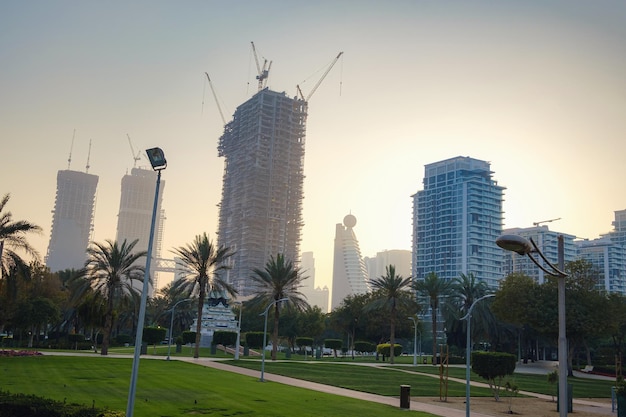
(254, 340)
(333, 344)
(189, 337)
(221, 337)
(122, 339)
(493, 366)
(361, 346)
(33, 406)
(385, 349)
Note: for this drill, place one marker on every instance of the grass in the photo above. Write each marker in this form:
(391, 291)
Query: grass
(173, 388)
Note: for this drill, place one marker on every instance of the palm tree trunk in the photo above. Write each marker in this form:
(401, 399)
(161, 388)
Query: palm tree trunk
(275, 332)
(201, 295)
(392, 340)
(108, 326)
(434, 320)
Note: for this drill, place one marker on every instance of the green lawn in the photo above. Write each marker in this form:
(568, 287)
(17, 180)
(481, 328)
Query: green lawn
(173, 388)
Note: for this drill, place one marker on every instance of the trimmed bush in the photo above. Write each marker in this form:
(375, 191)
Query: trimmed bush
(189, 337)
(254, 340)
(494, 367)
(385, 349)
(32, 406)
(334, 344)
(221, 337)
(361, 346)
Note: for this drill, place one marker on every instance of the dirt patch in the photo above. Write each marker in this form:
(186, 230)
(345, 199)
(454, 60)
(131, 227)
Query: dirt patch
(535, 407)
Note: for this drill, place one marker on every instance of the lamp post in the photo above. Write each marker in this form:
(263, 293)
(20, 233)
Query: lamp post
(169, 339)
(414, 340)
(523, 246)
(238, 333)
(265, 334)
(468, 352)
(158, 162)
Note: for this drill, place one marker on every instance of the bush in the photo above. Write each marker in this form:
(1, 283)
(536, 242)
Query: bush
(32, 406)
(221, 337)
(254, 340)
(493, 366)
(385, 349)
(122, 339)
(189, 337)
(361, 346)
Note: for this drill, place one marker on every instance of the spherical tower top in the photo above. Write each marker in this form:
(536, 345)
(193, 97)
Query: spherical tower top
(349, 221)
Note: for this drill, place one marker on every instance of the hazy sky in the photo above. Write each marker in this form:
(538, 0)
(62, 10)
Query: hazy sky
(537, 88)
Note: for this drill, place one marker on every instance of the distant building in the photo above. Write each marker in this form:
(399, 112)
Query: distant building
(401, 259)
(72, 220)
(456, 220)
(261, 208)
(135, 215)
(216, 316)
(349, 272)
(316, 296)
(547, 242)
(609, 263)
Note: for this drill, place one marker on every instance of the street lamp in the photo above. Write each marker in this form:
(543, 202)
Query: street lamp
(415, 340)
(169, 339)
(265, 334)
(158, 162)
(523, 246)
(468, 352)
(238, 332)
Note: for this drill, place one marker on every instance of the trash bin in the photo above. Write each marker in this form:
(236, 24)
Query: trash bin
(570, 395)
(405, 397)
(144, 349)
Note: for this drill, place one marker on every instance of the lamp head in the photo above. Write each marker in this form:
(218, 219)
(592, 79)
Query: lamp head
(157, 158)
(515, 244)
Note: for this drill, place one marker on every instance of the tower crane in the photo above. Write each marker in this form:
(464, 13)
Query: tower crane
(263, 73)
(332, 64)
(215, 97)
(536, 224)
(135, 156)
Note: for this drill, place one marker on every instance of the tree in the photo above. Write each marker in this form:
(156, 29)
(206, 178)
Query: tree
(204, 261)
(153, 335)
(110, 270)
(390, 290)
(279, 279)
(12, 239)
(464, 290)
(493, 366)
(433, 287)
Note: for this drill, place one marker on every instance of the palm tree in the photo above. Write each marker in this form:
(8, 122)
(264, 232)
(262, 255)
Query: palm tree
(110, 270)
(389, 293)
(204, 262)
(12, 238)
(434, 288)
(464, 290)
(279, 279)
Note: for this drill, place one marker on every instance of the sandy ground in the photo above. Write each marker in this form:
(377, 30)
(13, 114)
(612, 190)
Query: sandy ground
(535, 407)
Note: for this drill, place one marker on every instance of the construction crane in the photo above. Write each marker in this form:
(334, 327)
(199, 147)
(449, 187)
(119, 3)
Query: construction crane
(536, 224)
(135, 156)
(332, 64)
(263, 73)
(215, 97)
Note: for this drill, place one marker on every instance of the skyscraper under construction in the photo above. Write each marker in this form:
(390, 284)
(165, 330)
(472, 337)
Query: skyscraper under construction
(261, 209)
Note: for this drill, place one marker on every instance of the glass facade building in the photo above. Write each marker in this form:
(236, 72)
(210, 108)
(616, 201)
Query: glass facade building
(456, 220)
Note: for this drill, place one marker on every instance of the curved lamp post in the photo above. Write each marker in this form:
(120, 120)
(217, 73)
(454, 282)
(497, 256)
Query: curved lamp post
(158, 162)
(528, 247)
(265, 334)
(468, 352)
(169, 339)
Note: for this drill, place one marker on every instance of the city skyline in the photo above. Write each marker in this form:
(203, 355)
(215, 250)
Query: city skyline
(536, 89)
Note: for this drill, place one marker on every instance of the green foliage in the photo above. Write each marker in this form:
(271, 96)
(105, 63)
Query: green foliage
(304, 341)
(122, 339)
(153, 335)
(385, 349)
(553, 378)
(34, 406)
(254, 340)
(189, 337)
(361, 346)
(493, 366)
(221, 337)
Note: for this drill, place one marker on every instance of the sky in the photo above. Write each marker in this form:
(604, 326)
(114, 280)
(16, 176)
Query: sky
(537, 88)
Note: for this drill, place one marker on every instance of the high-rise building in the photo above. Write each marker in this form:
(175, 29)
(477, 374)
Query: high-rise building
(456, 220)
(135, 216)
(547, 242)
(261, 208)
(316, 296)
(400, 259)
(72, 220)
(349, 271)
(609, 262)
